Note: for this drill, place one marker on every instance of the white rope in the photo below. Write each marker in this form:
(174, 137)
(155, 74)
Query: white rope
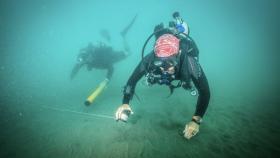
(80, 113)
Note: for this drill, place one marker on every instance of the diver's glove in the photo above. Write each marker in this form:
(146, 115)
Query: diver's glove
(192, 128)
(123, 112)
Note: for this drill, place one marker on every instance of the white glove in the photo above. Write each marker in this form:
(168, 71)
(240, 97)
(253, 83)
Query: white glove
(120, 113)
(191, 129)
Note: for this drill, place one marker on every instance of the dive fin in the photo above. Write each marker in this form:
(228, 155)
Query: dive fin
(123, 34)
(126, 29)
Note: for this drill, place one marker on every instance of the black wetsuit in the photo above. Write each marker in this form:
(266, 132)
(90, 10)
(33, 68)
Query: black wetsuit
(186, 71)
(101, 57)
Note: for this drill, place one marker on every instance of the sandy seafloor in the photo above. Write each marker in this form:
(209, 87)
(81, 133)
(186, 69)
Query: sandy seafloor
(232, 128)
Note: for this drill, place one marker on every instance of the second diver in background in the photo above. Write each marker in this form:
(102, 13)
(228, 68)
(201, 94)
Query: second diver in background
(102, 56)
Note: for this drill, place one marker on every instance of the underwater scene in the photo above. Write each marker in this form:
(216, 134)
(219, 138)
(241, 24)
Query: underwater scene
(139, 79)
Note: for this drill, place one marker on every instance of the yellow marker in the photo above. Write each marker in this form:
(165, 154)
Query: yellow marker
(99, 89)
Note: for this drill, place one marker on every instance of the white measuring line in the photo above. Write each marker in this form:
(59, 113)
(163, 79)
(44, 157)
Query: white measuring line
(81, 113)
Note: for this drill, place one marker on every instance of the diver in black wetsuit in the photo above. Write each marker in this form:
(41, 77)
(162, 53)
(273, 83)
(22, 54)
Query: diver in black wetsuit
(175, 57)
(99, 57)
(102, 56)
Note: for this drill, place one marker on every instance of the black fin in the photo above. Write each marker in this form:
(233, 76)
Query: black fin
(125, 30)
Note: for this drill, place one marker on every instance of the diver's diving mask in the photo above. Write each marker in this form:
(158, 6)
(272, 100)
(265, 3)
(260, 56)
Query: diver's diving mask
(164, 71)
(166, 65)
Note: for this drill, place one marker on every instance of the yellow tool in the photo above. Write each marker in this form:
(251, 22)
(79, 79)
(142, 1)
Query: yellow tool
(98, 90)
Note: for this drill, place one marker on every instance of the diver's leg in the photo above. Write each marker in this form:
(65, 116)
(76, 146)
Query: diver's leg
(202, 86)
(123, 34)
(125, 30)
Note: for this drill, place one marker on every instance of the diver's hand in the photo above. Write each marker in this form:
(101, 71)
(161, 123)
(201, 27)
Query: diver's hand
(191, 129)
(120, 111)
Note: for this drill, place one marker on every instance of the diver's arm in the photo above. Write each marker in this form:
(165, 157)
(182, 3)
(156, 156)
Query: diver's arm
(190, 67)
(192, 128)
(202, 86)
(128, 92)
(132, 81)
(75, 70)
(124, 110)
(80, 62)
(137, 74)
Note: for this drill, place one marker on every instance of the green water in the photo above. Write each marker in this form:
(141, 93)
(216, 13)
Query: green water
(42, 112)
